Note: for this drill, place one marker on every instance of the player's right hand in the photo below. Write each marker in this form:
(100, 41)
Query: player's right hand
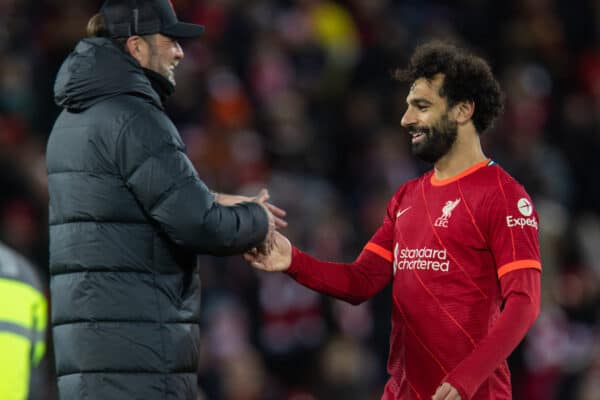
(278, 257)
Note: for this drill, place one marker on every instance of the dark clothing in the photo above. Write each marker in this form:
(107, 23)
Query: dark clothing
(128, 214)
(161, 85)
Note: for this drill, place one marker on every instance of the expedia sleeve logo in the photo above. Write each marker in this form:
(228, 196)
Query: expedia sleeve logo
(526, 209)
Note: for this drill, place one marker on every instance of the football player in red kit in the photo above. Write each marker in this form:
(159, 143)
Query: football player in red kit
(459, 244)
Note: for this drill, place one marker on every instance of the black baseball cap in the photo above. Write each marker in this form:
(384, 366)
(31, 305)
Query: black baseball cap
(126, 18)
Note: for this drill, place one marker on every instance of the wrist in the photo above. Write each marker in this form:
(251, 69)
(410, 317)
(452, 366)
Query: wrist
(294, 264)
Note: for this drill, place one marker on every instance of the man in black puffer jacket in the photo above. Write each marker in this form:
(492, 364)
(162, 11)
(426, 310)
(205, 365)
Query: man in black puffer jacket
(128, 214)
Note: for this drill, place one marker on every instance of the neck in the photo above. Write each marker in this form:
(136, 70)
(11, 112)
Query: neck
(465, 153)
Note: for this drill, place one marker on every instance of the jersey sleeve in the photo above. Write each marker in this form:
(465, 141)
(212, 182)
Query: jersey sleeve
(521, 294)
(512, 229)
(354, 282)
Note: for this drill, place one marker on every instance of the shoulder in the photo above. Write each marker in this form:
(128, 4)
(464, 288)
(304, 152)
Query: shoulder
(143, 121)
(128, 109)
(492, 181)
(108, 118)
(503, 183)
(412, 184)
(505, 197)
(124, 108)
(407, 190)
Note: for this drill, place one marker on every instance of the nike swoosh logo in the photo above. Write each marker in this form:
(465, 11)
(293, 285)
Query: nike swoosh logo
(402, 211)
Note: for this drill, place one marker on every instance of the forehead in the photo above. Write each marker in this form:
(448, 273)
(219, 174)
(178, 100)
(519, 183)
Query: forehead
(426, 89)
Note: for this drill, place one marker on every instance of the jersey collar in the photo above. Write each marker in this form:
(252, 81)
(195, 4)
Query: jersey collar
(468, 171)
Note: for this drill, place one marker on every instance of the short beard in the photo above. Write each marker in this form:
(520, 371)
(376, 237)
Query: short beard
(439, 139)
(155, 63)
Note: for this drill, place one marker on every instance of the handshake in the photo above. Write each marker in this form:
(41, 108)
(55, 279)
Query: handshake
(275, 252)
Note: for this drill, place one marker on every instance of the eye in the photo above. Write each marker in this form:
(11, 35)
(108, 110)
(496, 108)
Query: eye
(171, 40)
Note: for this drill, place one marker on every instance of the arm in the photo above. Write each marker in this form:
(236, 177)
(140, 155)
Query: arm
(152, 161)
(516, 252)
(521, 293)
(230, 199)
(354, 282)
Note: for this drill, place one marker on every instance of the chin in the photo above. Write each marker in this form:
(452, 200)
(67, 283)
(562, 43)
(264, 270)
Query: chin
(427, 154)
(168, 75)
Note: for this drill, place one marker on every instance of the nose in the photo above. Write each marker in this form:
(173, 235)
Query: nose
(409, 118)
(179, 54)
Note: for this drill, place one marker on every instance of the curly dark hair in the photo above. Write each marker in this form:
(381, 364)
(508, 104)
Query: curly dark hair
(467, 78)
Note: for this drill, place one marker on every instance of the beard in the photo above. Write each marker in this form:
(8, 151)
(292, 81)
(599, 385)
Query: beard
(157, 63)
(165, 71)
(439, 139)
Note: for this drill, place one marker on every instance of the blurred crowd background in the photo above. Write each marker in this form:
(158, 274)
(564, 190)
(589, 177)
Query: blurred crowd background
(296, 96)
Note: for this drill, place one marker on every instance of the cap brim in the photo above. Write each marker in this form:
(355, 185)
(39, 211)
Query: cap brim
(183, 30)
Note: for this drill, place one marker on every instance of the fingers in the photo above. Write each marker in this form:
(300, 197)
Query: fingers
(262, 196)
(259, 265)
(278, 215)
(263, 248)
(441, 392)
(274, 254)
(279, 223)
(252, 257)
(446, 392)
(278, 212)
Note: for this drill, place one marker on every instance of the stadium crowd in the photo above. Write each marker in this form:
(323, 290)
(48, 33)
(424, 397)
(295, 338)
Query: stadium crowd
(297, 96)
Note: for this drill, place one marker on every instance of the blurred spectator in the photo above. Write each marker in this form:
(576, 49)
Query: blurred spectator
(23, 327)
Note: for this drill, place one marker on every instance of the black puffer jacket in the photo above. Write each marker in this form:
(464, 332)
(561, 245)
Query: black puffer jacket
(128, 213)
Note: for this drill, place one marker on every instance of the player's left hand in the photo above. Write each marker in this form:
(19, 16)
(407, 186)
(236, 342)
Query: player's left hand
(446, 392)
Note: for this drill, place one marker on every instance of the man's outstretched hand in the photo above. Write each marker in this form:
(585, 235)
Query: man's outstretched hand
(276, 214)
(278, 256)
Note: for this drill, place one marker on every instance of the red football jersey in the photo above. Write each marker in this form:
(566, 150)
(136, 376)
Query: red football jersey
(450, 242)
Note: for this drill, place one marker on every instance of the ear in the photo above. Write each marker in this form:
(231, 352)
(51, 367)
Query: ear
(137, 48)
(464, 111)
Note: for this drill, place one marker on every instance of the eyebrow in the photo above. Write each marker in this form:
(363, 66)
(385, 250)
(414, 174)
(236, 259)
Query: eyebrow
(419, 101)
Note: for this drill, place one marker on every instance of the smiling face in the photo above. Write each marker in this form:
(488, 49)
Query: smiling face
(428, 120)
(161, 54)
